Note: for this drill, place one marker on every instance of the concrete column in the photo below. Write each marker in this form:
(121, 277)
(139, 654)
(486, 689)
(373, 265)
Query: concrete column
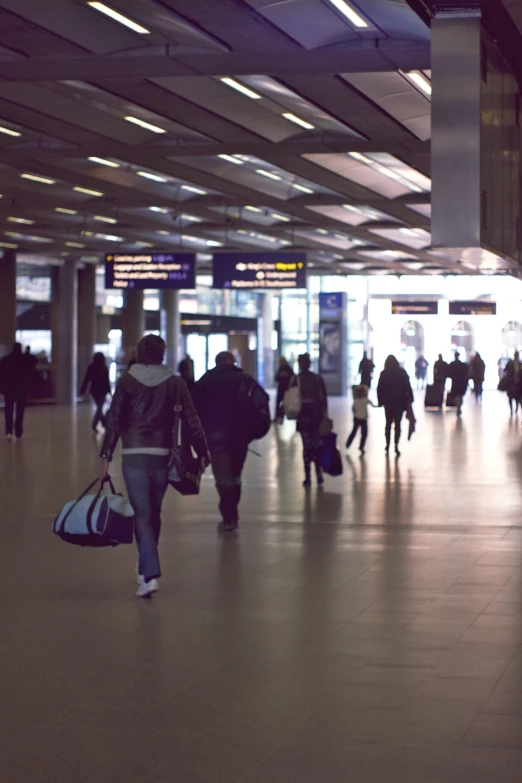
(7, 301)
(64, 324)
(132, 321)
(170, 320)
(86, 317)
(267, 353)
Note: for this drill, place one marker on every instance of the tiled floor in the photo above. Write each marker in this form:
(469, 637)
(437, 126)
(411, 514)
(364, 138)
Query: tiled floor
(370, 632)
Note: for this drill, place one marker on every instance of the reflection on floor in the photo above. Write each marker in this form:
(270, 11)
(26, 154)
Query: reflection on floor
(371, 631)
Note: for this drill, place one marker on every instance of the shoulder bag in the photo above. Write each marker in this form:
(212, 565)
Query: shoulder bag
(185, 469)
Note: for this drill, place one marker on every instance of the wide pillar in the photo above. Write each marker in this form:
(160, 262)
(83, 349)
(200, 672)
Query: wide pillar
(267, 353)
(171, 326)
(86, 317)
(64, 324)
(132, 321)
(7, 301)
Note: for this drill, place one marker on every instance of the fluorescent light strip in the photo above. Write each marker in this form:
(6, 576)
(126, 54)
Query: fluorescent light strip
(280, 217)
(144, 244)
(321, 231)
(192, 217)
(8, 131)
(240, 88)
(154, 177)
(254, 209)
(146, 125)
(74, 244)
(103, 219)
(7, 244)
(231, 159)
(66, 211)
(298, 121)
(268, 174)
(103, 162)
(88, 192)
(163, 233)
(419, 80)
(213, 243)
(191, 239)
(302, 188)
(109, 237)
(20, 220)
(163, 210)
(192, 189)
(36, 178)
(117, 17)
(352, 209)
(242, 231)
(350, 13)
(361, 158)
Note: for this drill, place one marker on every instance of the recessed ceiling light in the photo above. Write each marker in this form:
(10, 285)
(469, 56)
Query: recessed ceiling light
(321, 231)
(192, 217)
(410, 232)
(88, 191)
(194, 190)
(268, 174)
(103, 219)
(117, 17)
(352, 209)
(109, 237)
(350, 13)
(231, 159)
(298, 121)
(253, 209)
(20, 220)
(65, 211)
(159, 209)
(360, 158)
(280, 217)
(284, 242)
(191, 239)
(213, 243)
(242, 231)
(104, 162)
(303, 188)
(419, 80)
(9, 131)
(74, 244)
(144, 244)
(240, 88)
(7, 244)
(36, 178)
(163, 233)
(154, 177)
(146, 125)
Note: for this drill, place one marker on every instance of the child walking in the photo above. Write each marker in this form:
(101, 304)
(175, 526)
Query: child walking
(360, 415)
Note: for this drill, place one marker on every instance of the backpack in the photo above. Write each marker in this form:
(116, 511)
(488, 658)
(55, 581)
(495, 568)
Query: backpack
(253, 409)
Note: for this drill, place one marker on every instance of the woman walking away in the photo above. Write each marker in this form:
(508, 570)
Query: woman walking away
(477, 371)
(314, 406)
(395, 396)
(512, 376)
(360, 415)
(97, 382)
(283, 379)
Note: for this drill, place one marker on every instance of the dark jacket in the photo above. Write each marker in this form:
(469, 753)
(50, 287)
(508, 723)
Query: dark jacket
(96, 380)
(366, 368)
(283, 377)
(477, 369)
(394, 390)
(512, 378)
(216, 400)
(440, 371)
(142, 412)
(16, 375)
(459, 373)
(314, 401)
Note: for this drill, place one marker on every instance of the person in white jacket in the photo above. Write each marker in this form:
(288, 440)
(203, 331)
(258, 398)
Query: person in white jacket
(360, 415)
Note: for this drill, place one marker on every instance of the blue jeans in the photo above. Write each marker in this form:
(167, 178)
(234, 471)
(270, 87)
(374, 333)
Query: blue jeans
(146, 487)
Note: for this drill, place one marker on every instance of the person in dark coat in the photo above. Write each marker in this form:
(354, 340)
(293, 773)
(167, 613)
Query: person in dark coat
(314, 406)
(186, 370)
(459, 373)
(395, 395)
(421, 371)
(283, 379)
(512, 380)
(477, 372)
(97, 382)
(15, 383)
(366, 368)
(216, 397)
(440, 371)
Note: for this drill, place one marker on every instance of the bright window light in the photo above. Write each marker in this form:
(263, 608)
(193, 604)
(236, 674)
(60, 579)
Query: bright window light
(192, 189)
(302, 188)
(280, 217)
(74, 244)
(350, 13)
(88, 191)
(36, 178)
(154, 177)
(117, 17)
(163, 210)
(104, 162)
(193, 218)
(268, 174)
(146, 125)
(9, 131)
(298, 121)
(103, 219)
(253, 209)
(419, 80)
(231, 159)
(20, 220)
(240, 88)
(65, 211)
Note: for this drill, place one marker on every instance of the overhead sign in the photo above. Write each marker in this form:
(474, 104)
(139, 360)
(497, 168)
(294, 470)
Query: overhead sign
(261, 271)
(414, 308)
(150, 270)
(472, 308)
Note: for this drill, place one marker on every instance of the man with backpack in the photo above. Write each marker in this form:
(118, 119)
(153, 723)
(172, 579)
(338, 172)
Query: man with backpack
(234, 410)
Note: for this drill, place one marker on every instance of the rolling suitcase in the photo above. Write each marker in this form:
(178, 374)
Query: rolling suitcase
(450, 400)
(434, 396)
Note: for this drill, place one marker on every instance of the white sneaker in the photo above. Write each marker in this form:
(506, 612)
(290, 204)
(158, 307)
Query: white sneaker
(147, 588)
(139, 577)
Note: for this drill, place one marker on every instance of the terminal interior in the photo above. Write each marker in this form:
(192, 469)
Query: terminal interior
(369, 630)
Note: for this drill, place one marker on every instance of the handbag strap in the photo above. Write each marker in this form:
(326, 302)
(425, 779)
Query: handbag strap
(85, 492)
(176, 427)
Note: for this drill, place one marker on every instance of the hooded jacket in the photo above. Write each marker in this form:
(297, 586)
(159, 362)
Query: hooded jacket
(142, 413)
(216, 400)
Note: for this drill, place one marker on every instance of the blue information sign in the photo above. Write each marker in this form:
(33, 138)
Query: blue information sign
(150, 270)
(261, 271)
